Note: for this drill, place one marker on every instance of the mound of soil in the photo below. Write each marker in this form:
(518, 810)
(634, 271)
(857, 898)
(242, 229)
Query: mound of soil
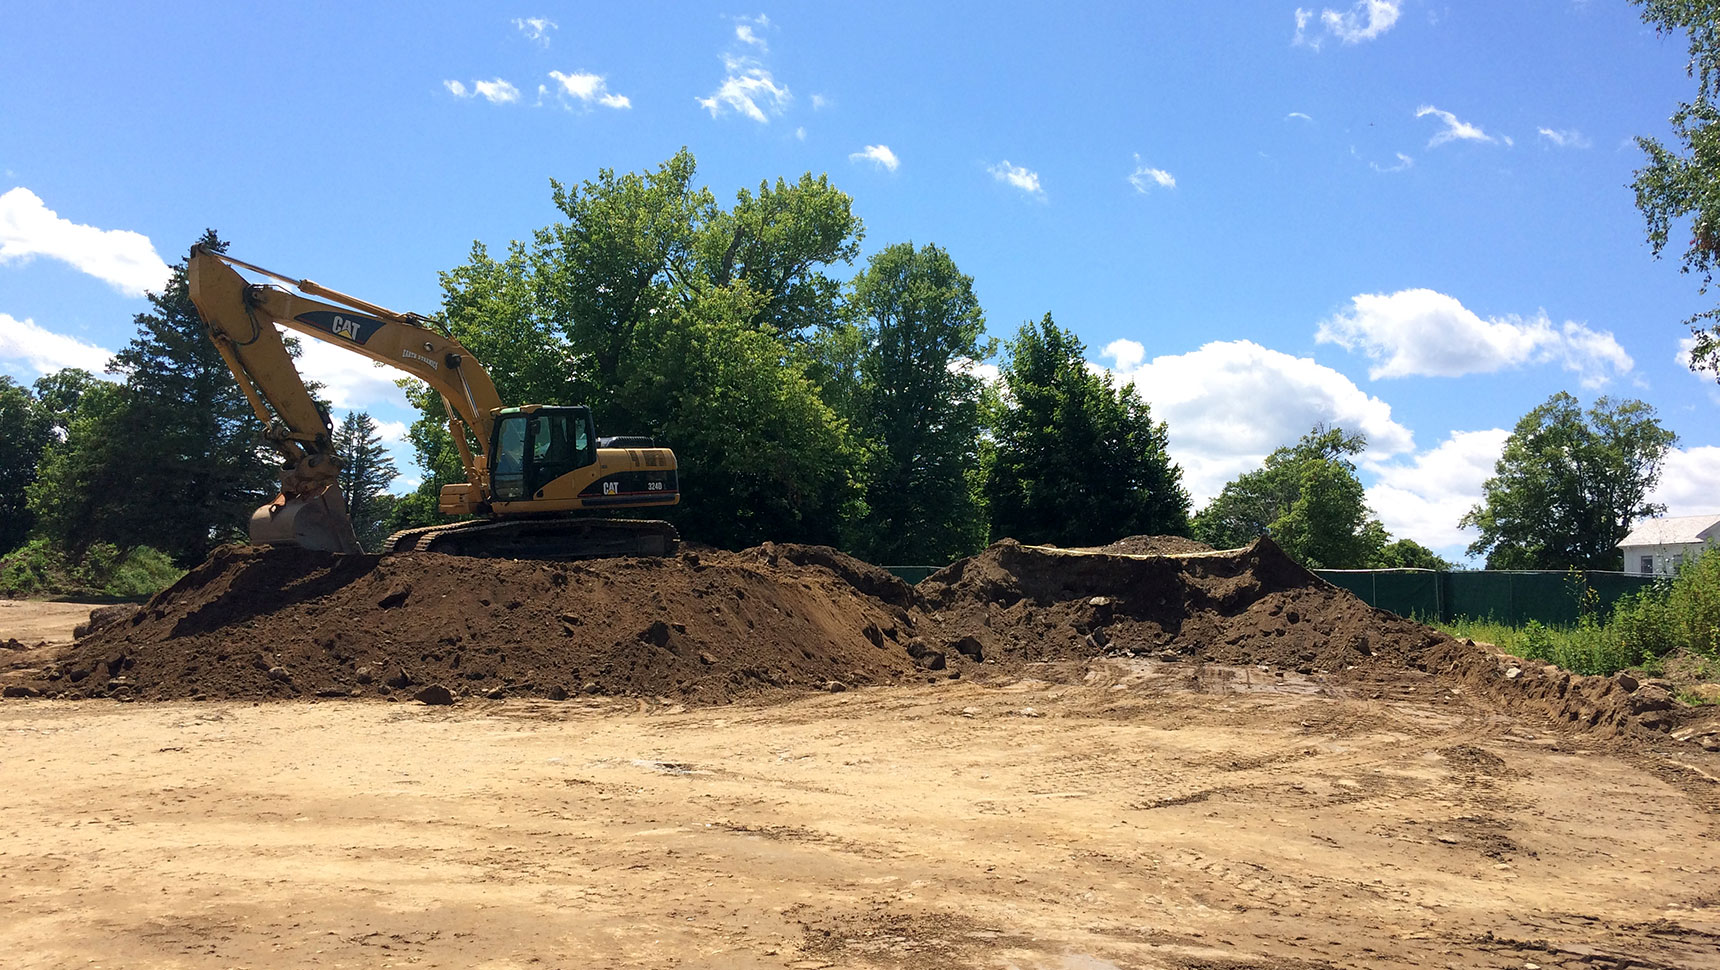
(705, 628)
(712, 627)
(1246, 606)
(1154, 546)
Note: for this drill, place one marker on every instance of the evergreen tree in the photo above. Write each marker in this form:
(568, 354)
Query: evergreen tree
(921, 325)
(1078, 461)
(365, 473)
(194, 464)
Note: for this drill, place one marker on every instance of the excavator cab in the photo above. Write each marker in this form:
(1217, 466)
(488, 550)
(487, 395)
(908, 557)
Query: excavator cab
(535, 445)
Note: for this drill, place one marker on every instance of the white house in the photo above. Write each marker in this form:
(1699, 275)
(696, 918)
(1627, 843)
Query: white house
(1658, 547)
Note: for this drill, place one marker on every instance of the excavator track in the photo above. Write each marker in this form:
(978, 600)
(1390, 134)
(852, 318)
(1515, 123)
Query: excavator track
(553, 538)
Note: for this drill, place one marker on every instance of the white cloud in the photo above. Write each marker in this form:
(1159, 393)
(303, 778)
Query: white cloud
(535, 29)
(1366, 20)
(1454, 129)
(495, 91)
(351, 381)
(1298, 115)
(1424, 498)
(881, 155)
(1022, 178)
(820, 102)
(989, 373)
(1404, 164)
(748, 90)
(1144, 177)
(1230, 403)
(123, 259)
(745, 34)
(1690, 481)
(1423, 333)
(1565, 138)
(44, 351)
(800, 133)
(589, 89)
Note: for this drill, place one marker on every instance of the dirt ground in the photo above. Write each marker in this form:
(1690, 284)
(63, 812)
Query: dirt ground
(1087, 815)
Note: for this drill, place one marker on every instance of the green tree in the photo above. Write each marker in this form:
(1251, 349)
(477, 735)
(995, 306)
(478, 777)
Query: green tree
(365, 473)
(26, 428)
(59, 394)
(196, 465)
(1569, 484)
(83, 493)
(1307, 498)
(668, 315)
(921, 328)
(1409, 554)
(1684, 181)
(1078, 461)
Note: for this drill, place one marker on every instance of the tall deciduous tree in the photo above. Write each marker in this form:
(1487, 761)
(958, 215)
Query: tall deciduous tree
(83, 493)
(1683, 181)
(1307, 498)
(365, 472)
(669, 316)
(26, 428)
(921, 328)
(1569, 484)
(1078, 460)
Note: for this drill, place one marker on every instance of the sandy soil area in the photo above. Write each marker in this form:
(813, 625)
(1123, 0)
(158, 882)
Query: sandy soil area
(32, 622)
(1123, 814)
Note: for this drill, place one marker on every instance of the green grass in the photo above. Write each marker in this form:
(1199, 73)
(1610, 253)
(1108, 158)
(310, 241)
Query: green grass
(1682, 613)
(1586, 648)
(40, 569)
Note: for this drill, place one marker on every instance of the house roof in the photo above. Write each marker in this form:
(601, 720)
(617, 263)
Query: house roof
(1674, 531)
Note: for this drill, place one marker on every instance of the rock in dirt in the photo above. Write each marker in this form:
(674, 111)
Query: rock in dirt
(104, 616)
(435, 694)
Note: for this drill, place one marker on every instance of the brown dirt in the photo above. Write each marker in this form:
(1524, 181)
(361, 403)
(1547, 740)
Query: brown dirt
(1153, 546)
(714, 627)
(282, 623)
(1110, 814)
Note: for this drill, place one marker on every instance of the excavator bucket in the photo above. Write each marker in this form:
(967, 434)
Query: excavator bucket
(317, 522)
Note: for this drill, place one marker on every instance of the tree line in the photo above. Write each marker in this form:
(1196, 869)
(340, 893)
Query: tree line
(806, 400)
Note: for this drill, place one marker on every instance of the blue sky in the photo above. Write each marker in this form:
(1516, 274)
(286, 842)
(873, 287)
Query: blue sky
(1409, 218)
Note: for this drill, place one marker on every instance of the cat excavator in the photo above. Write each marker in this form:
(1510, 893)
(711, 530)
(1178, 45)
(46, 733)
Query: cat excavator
(528, 468)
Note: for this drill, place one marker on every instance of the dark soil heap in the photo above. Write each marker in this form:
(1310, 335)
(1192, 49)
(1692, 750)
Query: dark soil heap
(1244, 606)
(289, 622)
(712, 627)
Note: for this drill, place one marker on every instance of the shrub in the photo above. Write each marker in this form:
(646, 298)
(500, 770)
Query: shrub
(40, 568)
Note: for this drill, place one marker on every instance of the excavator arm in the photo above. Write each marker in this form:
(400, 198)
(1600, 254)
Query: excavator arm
(242, 316)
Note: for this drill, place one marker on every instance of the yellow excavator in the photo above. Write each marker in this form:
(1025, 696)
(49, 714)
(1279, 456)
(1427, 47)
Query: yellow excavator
(531, 468)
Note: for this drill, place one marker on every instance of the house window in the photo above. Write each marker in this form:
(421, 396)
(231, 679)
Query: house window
(1677, 563)
(1648, 565)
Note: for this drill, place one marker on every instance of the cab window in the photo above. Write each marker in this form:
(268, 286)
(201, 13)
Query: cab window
(509, 469)
(560, 442)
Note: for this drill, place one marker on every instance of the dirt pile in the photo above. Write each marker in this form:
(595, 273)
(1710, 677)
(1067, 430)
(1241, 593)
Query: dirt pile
(711, 627)
(707, 628)
(1247, 606)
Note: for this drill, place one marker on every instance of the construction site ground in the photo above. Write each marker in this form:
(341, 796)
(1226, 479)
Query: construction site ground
(1084, 815)
(1142, 755)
